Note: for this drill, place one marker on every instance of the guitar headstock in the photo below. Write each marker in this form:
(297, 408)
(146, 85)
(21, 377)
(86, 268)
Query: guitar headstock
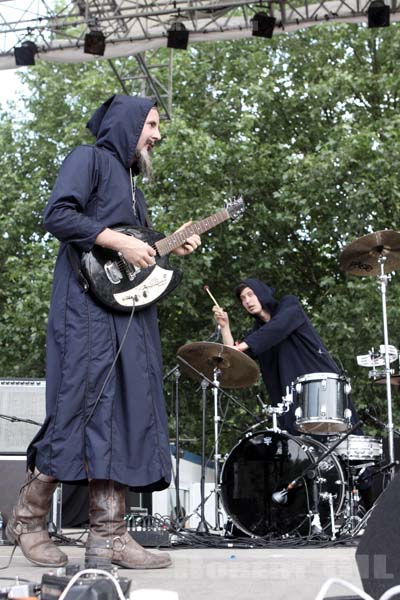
(235, 208)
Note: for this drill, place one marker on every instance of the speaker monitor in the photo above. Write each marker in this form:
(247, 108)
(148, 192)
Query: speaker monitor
(378, 550)
(12, 476)
(20, 399)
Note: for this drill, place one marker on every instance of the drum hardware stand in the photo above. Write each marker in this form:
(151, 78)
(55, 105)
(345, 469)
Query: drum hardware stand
(217, 456)
(202, 527)
(280, 409)
(330, 497)
(313, 466)
(384, 279)
(179, 513)
(359, 258)
(216, 388)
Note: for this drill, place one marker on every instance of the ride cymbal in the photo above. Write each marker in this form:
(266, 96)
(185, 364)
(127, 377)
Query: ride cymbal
(361, 256)
(394, 380)
(237, 370)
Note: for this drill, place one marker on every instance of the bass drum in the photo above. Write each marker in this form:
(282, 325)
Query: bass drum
(263, 463)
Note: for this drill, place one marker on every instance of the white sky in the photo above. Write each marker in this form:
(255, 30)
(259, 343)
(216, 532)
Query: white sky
(9, 86)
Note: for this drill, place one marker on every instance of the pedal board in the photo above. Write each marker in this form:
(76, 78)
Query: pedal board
(89, 587)
(150, 538)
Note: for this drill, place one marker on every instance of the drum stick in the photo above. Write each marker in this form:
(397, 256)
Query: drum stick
(207, 289)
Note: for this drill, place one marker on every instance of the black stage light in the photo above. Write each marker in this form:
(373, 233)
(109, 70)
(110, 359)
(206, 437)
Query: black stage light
(95, 43)
(263, 25)
(25, 54)
(178, 36)
(378, 14)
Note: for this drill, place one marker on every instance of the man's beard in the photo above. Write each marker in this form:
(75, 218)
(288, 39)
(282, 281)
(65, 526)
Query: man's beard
(144, 162)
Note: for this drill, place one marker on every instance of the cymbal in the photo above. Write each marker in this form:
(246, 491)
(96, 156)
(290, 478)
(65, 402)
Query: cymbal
(394, 380)
(237, 370)
(361, 256)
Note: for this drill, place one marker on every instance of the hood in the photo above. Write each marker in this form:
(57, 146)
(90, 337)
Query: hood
(264, 293)
(118, 123)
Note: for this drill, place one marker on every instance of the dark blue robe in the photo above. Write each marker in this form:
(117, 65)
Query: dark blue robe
(286, 347)
(126, 439)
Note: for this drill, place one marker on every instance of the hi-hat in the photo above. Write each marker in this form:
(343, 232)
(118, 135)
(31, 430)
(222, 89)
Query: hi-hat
(361, 256)
(394, 380)
(237, 370)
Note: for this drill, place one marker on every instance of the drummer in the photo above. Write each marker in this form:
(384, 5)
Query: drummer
(283, 340)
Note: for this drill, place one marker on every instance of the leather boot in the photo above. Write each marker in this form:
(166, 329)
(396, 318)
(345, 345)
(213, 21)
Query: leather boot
(27, 524)
(108, 541)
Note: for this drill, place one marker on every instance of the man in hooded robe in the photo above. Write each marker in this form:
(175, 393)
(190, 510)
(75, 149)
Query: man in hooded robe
(114, 435)
(283, 340)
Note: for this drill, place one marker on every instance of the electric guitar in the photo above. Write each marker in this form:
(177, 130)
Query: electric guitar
(119, 285)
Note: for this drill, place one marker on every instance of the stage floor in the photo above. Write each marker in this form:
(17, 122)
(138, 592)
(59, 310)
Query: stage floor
(226, 574)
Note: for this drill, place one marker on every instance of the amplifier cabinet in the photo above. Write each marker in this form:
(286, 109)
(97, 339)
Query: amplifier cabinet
(23, 399)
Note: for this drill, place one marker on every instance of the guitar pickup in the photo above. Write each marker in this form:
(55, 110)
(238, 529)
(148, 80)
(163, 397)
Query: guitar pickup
(113, 272)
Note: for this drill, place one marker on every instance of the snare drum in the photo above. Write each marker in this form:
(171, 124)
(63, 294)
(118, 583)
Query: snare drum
(322, 403)
(359, 448)
(260, 466)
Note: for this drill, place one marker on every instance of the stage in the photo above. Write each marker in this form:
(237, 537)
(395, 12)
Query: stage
(227, 573)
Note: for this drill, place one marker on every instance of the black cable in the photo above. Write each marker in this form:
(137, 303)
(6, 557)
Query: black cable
(112, 366)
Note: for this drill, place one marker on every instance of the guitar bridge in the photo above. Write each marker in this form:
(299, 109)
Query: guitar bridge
(130, 270)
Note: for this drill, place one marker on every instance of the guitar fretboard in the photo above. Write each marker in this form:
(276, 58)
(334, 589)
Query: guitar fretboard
(176, 239)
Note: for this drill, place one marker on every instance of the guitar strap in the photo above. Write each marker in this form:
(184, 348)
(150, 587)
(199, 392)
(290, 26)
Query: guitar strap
(76, 266)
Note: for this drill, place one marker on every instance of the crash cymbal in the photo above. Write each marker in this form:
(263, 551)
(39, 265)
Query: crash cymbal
(394, 380)
(237, 370)
(361, 256)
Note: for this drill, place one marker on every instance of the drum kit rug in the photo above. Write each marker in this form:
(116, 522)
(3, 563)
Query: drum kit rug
(276, 485)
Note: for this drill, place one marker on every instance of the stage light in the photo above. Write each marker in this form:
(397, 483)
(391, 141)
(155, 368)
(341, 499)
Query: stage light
(95, 43)
(378, 14)
(263, 25)
(25, 54)
(178, 36)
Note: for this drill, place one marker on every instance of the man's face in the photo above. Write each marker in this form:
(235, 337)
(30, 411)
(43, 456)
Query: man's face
(150, 133)
(250, 302)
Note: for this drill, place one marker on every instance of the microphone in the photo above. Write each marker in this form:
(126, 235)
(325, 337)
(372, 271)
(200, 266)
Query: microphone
(368, 415)
(280, 497)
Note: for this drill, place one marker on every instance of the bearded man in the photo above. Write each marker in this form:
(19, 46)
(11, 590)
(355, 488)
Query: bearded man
(105, 413)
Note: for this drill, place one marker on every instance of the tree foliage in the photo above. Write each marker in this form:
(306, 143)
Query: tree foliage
(304, 126)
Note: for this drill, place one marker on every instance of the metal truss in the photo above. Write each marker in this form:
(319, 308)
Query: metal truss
(135, 27)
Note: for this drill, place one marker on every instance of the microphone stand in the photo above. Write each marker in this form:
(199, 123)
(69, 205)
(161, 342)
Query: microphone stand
(178, 510)
(19, 420)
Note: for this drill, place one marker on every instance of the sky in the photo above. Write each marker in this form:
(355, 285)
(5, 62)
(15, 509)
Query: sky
(9, 86)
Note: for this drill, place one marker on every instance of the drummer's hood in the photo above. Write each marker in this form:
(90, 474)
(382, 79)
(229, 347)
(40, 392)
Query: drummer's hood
(264, 293)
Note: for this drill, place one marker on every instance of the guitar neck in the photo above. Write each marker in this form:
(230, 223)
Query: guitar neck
(169, 243)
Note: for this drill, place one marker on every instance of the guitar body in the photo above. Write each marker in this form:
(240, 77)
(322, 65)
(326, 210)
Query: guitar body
(119, 285)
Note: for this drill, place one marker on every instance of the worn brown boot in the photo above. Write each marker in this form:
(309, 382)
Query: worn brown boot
(108, 541)
(27, 524)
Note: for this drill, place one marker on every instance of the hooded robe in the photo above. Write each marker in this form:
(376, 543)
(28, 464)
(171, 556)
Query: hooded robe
(126, 438)
(286, 347)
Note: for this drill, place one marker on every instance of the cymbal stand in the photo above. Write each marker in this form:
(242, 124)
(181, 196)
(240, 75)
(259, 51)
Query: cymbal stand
(216, 388)
(217, 456)
(383, 280)
(202, 527)
(179, 513)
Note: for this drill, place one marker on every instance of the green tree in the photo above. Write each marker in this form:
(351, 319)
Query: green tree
(304, 126)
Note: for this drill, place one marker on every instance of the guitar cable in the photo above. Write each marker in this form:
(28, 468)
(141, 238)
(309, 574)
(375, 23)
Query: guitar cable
(112, 365)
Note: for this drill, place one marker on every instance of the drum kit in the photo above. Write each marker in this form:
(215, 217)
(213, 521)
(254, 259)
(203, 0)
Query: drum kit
(273, 484)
